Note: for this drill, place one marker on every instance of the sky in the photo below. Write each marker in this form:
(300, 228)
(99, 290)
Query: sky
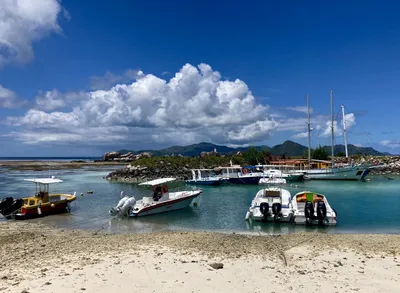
(79, 78)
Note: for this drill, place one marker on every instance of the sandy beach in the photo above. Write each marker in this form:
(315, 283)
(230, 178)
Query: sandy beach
(38, 258)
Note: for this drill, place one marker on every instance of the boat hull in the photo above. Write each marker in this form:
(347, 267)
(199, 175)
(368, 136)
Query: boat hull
(165, 206)
(45, 210)
(353, 173)
(204, 182)
(244, 180)
(301, 220)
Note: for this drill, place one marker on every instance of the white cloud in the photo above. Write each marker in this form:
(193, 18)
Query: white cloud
(394, 144)
(195, 105)
(21, 23)
(301, 135)
(301, 109)
(8, 99)
(52, 100)
(109, 79)
(338, 130)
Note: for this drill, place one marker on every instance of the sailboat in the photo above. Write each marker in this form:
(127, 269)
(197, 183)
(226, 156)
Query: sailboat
(344, 172)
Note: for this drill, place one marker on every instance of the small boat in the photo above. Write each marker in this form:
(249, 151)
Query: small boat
(208, 179)
(312, 208)
(41, 204)
(161, 201)
(272, 181)
(241, 175)
(271, 204)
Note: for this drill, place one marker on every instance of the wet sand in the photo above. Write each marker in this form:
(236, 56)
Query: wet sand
(42, 165)
(38, 258)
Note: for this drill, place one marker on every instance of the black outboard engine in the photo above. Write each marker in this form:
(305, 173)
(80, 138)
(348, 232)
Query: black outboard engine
(277, 210)
(264, 209)
(321, 212)
(309, 212)
(5, 204)
(15, 206)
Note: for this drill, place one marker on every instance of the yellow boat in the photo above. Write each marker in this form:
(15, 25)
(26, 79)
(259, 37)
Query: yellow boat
(41, 204)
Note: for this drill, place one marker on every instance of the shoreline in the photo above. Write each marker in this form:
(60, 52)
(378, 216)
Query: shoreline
(44, 165)
(39, 257)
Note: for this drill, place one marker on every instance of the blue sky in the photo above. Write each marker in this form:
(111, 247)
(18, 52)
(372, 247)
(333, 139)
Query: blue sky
(58, 93)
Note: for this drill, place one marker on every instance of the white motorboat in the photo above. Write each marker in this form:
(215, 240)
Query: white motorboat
(209, 177)
(310, 208)
(272, 177)
(161, 201)
(271, 204)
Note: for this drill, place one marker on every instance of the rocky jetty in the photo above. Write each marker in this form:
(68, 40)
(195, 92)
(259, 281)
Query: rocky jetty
(128, 157)
(137, 173)
(390, 165)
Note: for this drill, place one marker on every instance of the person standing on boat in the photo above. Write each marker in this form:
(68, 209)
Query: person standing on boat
(157, 193)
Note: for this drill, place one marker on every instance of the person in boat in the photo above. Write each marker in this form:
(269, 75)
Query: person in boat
(157, 193)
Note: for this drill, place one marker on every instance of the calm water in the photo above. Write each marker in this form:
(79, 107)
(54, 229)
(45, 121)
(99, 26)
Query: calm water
(361, 206)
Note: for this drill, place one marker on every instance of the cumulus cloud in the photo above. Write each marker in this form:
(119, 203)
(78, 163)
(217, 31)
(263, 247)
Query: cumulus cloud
(109, 79)
(301, 135)
(21, 23)
(338, 130)
(52, 100)
(195, 105)
(8, 99)
(301, 109)
(394, 144)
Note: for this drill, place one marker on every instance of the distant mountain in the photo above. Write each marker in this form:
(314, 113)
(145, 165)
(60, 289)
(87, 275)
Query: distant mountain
(353, 150)
(288, 148)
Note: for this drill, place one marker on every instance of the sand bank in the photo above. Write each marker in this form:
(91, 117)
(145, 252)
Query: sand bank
(38, 258)
(43, 165)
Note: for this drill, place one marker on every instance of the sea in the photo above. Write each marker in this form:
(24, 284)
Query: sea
(362, 207)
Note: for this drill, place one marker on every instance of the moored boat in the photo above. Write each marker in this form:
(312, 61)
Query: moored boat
(162, 200)
(41, 204)
(209, 177)
(310, 208)
(271, 204)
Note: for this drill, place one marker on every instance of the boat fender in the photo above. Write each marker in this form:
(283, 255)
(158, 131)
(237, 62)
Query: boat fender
(309, 211)
(39, 210)
(321, 211)
(264, 208)
(247, 215)
(277, 209)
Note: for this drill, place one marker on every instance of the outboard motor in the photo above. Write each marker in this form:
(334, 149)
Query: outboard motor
(321, 212)
(5, 204)
(15, 206)
(264, 209)
(130, 202)
(115, 210)
(277, 210)
(309, 212)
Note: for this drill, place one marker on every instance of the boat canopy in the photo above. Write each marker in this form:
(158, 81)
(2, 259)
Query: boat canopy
(158, 181)
(44, 180)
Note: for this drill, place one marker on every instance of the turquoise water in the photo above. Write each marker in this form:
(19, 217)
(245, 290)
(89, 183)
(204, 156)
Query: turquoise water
(362, 207)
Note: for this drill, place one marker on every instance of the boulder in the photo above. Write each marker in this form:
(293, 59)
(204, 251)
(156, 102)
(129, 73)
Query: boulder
(111, 156)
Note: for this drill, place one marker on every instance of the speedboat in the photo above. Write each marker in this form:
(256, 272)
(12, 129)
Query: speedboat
(161, 201)
(312, 208)
(208, 179)
(241, 175)
(271, 204)
(41, 204)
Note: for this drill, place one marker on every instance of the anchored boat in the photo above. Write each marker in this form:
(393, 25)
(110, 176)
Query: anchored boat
(161, 201)
(209, 177)
(271, 204)
(41, 204)
(312, 208)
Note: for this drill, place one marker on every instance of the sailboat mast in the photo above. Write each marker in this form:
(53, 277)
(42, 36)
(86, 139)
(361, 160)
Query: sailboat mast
(309, 132)
(344, 132)
(333, 131)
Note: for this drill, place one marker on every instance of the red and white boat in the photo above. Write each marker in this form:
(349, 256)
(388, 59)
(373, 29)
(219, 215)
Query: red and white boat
(160, 202)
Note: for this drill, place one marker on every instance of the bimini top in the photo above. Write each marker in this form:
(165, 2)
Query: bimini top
(44, 180)
(158, 181)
